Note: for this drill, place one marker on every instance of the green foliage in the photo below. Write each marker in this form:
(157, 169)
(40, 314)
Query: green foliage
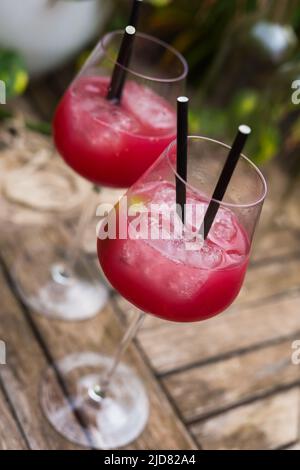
(160, 3)
(13, 73)
(196, 28)
(199, 29)
(4, 114)
(247, 108)
(44, 128)
(266, 144)
(295, 131)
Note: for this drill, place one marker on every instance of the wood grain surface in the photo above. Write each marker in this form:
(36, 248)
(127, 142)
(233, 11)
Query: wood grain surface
(227, 383)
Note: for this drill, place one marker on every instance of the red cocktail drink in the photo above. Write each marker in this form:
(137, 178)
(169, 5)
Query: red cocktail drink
(107, 143)
(174, 279)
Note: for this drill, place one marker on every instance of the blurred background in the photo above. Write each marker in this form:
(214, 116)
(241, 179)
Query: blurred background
(243, 57)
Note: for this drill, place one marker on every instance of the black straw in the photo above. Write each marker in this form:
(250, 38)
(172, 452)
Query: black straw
(135, 13)
(118, 78)
(224, 180)
(117, 83)
(182, 150)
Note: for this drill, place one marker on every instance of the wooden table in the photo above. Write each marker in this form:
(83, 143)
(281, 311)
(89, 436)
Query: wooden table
(227, 383)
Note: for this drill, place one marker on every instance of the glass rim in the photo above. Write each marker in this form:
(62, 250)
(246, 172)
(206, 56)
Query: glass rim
(249, 162)
(154, 40)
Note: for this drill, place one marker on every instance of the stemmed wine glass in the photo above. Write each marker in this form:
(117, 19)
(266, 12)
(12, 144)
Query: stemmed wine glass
(109, 142)
(171, 274)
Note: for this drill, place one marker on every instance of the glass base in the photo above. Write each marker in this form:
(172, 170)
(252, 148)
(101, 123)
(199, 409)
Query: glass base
(50, 291)
(85, 418)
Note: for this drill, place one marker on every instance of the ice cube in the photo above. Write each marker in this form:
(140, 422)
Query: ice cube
(223, 230)
(209, 256)
(165, 193)
(167, 266)
(173, 250)
(100, 136)
(152, 111)
(110, 115)
(186, 284)
(88, 89)
(128, 254)
(159, 265)
(233, 257)
(117, 119)
(89, 96)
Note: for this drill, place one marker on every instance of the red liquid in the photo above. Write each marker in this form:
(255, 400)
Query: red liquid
(109, 144)
(163, 278)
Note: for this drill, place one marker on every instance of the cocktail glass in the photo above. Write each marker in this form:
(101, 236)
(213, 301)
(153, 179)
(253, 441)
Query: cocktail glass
(168, 273)
(108, 143)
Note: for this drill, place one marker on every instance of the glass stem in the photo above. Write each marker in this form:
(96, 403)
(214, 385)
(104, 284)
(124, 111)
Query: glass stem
(101, 390)
(74, 248)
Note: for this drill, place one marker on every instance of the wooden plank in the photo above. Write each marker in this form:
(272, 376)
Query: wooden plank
(278, 182)
(266, 424)
(294, 447)
(10, 436)
(102, 334)
(165, 430)
(201, 391)
(175, 346)
(263, 281)
(288, 212)
(275, 243)
(270, 280)
(61, 339)
(21, 376)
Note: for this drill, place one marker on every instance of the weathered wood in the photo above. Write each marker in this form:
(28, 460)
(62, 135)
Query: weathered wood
(287, 213)
(277, 182)
(263, 281)
(294, 447)
(103, 333)
(21, 376)
(173, 346)
(275, 243)
(266, 424)
(10, 436)
(200, 391)
(270, 280)
(259, 317)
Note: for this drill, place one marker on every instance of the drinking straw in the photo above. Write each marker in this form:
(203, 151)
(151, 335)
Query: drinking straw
(119, 74)
(182, 149)
(117, 83)
(135, 13)
(225, 177)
